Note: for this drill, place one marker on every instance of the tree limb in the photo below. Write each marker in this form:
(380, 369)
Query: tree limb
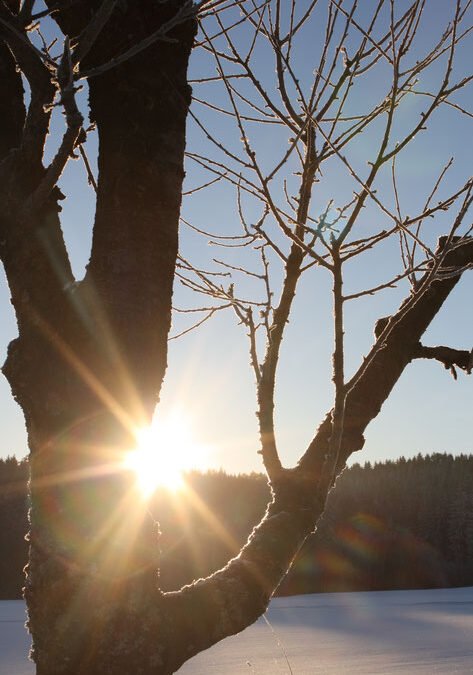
(450, 358)
(395, 347)
(32, 65)
(238, 594)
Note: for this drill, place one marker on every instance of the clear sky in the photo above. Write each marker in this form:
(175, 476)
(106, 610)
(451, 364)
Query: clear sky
(209, 378)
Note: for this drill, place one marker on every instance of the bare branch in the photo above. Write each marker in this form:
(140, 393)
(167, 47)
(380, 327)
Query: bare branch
(461, 358)
(74, 121)
(395, 347)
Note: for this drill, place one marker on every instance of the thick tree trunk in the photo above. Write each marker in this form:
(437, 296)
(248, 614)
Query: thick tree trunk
(90, 357)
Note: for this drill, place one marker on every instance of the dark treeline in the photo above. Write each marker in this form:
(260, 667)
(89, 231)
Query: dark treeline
(395, 525)
(13, 525)
(392, 525)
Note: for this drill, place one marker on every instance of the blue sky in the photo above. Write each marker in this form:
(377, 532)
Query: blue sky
(209, 377)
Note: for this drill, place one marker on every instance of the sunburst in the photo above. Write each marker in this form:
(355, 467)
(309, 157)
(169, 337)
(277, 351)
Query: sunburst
(164, 452)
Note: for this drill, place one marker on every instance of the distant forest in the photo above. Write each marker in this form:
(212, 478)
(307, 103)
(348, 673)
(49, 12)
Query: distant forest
(392, 525)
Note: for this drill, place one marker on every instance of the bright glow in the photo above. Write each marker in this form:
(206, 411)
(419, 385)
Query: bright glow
(164, 451)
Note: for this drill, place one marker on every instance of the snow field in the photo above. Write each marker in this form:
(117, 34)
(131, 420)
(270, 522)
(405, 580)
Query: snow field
(378, 633)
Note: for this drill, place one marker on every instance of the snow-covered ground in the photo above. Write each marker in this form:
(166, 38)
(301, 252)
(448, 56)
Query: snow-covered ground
(406, 632)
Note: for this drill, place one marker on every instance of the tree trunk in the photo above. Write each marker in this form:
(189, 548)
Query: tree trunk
(90, 357)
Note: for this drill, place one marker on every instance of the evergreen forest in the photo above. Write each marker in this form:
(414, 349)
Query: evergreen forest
(400, 524)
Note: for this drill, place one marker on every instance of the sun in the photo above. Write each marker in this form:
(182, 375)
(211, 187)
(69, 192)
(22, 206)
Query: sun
(164, 451)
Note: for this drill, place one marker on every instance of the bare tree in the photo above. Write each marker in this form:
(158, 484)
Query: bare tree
(90, 357)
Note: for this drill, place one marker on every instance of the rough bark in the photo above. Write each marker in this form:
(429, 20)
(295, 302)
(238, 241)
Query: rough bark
(12, 109)
(90, 357)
